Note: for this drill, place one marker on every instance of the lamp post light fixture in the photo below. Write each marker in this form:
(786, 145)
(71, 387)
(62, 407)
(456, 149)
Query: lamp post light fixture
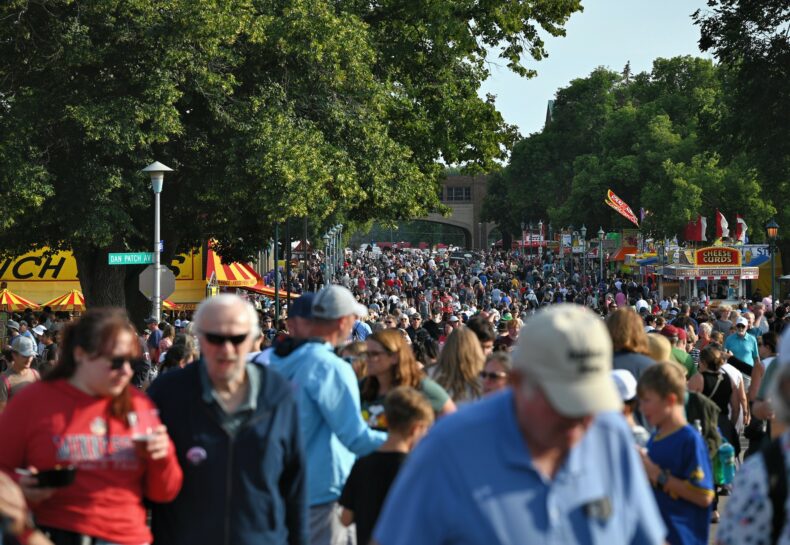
(601, 234)
(772, 229)
(157, 172)
(326, 258)
(583, 232)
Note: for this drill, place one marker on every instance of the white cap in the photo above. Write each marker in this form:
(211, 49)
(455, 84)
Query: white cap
(39, 329)
(566, 348)
(625, 382)
(742, 321)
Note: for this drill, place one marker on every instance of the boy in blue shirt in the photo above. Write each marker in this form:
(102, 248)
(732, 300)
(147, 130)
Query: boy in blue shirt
(676, 459)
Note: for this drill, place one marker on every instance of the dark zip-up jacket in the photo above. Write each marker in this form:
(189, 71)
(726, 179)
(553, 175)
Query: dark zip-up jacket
(244, 489)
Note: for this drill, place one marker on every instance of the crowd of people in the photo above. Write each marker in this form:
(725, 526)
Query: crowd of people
(422, 398)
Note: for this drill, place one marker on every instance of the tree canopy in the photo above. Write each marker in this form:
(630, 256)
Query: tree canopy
(651, 137)
(265, 109)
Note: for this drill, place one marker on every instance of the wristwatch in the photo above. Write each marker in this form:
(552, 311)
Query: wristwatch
(662, 479)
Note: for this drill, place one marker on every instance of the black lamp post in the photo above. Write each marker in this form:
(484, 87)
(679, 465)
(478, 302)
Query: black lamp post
(583, 232)
(601, 234)
(772, 229)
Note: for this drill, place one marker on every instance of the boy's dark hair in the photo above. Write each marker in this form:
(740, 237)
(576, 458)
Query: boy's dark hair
(482, 328)
(663, 378)
(404, 407)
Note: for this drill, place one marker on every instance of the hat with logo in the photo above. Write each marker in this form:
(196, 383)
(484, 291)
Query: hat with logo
(24, 346)
(335, 302)
(302, 306)
(11, 324)
(567, 350)
(39, 329)
(626, 384)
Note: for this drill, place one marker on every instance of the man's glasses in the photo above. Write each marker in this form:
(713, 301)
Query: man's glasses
(219, 340)
(492, 376)
(118, 362)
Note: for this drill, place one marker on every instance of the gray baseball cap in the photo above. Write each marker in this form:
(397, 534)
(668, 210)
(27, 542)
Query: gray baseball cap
(24, 346)
(335, 302)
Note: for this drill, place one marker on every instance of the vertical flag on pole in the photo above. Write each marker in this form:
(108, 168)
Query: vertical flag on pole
(740, 229)
(722, 227)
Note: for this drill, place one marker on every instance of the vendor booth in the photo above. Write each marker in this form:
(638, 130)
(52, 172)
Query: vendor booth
(716, 270)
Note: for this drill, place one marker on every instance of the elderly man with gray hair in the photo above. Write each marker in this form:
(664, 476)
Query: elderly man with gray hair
(549, 460)
(235, 426)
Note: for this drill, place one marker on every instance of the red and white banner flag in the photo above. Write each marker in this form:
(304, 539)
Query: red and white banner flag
(619, 205)
(740, 229)
(722, 227)
(695, 230)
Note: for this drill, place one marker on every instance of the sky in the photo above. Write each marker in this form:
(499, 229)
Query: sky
(607, 33)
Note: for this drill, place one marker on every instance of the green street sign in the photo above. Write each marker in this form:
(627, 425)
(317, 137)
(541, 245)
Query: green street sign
(138, 258)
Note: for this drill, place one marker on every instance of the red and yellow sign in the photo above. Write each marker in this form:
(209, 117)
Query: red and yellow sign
(717, 256)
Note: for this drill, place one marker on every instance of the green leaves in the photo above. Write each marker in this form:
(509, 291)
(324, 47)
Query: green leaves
(651, 138)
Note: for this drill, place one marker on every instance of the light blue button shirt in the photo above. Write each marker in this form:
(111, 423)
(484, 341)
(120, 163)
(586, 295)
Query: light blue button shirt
(471, 481)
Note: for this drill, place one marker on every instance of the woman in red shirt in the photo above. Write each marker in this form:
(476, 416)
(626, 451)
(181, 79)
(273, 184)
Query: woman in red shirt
(85, 414)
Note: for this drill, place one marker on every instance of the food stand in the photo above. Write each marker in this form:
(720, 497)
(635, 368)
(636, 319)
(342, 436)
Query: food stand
(716, 270)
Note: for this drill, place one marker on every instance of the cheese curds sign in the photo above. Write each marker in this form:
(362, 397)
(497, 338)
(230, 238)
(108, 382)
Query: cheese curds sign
(718, 256)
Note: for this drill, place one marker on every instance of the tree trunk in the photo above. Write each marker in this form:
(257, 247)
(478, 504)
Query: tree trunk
(137, 305)
(102, 284)
(507, 240)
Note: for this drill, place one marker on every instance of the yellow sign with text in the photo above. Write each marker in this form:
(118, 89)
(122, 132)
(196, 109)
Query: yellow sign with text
(41, 278)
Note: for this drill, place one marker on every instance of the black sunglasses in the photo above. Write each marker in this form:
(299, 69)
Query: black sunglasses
(235, 340)
(492, 376)
(118, 362)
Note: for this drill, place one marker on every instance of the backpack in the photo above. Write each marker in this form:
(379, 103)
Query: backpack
(777, 485)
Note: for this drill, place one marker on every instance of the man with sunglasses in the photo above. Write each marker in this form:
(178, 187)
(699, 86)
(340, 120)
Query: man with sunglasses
(235, 426)
(329, 409)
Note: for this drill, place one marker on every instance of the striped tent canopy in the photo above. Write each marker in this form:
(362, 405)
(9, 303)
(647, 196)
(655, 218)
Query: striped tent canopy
(231, 274)
(167, 304)
(73, 300)
(11, 301)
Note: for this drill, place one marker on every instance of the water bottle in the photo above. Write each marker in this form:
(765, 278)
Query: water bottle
(724, 472)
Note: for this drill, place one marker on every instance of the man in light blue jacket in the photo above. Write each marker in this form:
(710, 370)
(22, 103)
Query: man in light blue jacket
(327, 395)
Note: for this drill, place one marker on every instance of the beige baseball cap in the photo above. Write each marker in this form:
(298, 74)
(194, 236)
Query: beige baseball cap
(567, 349)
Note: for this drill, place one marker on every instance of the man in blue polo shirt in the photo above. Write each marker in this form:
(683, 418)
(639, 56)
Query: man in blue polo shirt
(549, 460)
(743, 346)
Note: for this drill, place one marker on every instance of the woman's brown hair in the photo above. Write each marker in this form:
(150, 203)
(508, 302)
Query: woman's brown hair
(627, 331)
(405, 372)
(711, 356)
(95, 332)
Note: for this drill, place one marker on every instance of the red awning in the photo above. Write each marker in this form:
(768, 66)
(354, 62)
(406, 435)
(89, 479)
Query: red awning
(620, 254)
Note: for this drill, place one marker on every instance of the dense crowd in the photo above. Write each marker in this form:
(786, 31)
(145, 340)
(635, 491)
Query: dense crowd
(539, 398)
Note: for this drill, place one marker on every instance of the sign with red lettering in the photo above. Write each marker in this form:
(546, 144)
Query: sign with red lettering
(718, 256)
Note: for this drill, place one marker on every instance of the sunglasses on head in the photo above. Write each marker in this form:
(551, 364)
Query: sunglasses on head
(217, 339)
(117, 362)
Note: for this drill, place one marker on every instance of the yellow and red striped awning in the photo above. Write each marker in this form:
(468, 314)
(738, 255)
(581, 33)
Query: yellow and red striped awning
(12, 301)
(73, 300)
(231, 274)
(167, 304)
